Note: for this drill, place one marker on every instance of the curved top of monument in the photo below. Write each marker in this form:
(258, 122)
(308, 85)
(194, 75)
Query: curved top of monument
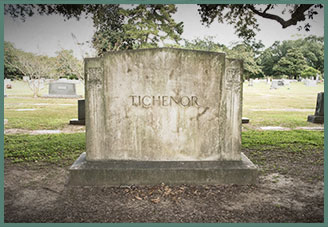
(162, 49)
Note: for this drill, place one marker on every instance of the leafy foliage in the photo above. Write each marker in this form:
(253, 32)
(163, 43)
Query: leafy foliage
(292, 64)
(245, 51)
(310, 72)
(117, 28)
(67, 66)
(243, 16)
(34, 66)
(311, 48)
(206, 44)
(10, 55)
(141, 27)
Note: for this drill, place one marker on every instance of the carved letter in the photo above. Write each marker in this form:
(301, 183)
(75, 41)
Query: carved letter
(184, 103)
(143, 100)
(158, 100)
(172, 98)
(164, 101)
(133, 103)
(194, 98)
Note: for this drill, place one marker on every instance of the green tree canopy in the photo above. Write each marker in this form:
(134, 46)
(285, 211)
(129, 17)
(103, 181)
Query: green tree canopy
(67, 66)
(117, 28)
(310, 72)
(244, 51)
(10, 60)
(292, 64)
(311, 47)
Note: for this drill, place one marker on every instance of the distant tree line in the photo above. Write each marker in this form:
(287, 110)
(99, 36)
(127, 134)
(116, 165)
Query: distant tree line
(18, 63)
(290, 58)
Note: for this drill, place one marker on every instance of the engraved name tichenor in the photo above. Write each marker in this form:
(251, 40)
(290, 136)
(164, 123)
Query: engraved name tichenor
(149, 100)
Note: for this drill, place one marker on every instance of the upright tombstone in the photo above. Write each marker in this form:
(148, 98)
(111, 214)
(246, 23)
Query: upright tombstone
(274, 84)
(163, 115)
(318, 116)
(310, 83)
(251, 83)
(62, 89)
(80, 114)
(268, 80)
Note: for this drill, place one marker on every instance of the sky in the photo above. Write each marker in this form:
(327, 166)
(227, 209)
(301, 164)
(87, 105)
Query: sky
(48, 34)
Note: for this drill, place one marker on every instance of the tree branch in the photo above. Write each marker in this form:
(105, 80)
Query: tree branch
(298, 15)
(267, 8)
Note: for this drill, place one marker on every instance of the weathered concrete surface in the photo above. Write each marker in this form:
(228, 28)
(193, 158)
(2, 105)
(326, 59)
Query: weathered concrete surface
(163, 115)
(163, 105)
(128, 172)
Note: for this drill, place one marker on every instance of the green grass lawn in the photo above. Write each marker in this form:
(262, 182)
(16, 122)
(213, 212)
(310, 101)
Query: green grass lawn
(48, 113)
(274, 152)
(285, 106)
(263, 106)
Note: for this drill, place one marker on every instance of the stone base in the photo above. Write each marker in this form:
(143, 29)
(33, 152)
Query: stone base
(119, 172)
(315, 119)
(62, 96)
(76, 122)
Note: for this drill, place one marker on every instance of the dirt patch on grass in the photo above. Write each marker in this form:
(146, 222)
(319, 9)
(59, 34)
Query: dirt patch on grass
(38, 193)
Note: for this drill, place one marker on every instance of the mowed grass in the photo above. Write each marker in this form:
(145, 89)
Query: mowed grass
(293, 153)
(286, 106)
(25, 112)
(61, 149)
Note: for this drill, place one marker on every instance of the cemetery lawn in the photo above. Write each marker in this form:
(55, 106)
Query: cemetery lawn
(290, 187)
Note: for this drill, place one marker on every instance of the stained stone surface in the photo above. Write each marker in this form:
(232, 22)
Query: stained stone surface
(163, 104)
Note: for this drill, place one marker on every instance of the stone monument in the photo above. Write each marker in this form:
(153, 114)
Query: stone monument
(251, 83)
(274, 84)
(80, 114)
(318, 116)
(62, 89)
(163, 115)
(310, 83)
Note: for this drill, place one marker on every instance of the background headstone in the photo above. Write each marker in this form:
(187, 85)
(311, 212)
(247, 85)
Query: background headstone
(60, 89)
(274, 84)
(318, 116)
(81, 114)
(310, 83)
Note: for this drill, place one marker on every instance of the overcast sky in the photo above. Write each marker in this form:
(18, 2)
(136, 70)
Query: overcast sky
(48, 34)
